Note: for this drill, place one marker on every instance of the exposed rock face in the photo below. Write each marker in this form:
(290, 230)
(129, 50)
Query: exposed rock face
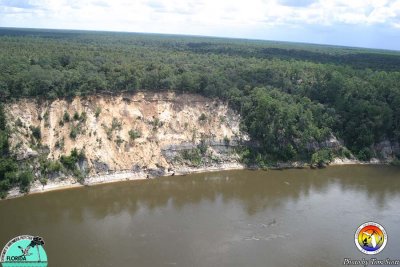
(156, 172)
(332, 142)
(100, 167)
(139, 131)
(222, 151)
(83, 165)
(386, 149)
(25, 153)
(170, 152)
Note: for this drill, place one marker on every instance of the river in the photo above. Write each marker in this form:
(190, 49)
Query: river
(230, 218)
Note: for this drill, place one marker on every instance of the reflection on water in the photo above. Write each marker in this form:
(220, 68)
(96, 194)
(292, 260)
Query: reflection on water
(234, 218)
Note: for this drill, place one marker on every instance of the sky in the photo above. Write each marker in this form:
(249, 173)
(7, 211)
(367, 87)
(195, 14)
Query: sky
(360, 23)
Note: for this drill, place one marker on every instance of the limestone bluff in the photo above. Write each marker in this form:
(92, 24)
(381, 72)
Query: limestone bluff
(155, 132)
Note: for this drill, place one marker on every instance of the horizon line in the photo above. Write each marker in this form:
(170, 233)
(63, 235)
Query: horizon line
(204, 36)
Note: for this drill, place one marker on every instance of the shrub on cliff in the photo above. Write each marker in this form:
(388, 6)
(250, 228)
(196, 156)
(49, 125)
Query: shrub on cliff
(70, 161)
(133, 134)
(396, 162)
(74, 132)
(25, 178)
(76, 116)
(322, 157)
(192, 155)
(66, 116)
(97, 112)
(202, 117)
(36, 132)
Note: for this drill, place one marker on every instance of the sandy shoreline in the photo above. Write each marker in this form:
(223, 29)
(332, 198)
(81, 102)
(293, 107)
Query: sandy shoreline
(340, 161)
(68, 183)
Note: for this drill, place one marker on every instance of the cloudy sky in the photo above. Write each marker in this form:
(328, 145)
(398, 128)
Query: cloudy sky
(364, 23)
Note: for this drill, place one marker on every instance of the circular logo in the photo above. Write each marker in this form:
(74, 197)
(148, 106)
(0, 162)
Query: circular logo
(370, 238)
(24, 251)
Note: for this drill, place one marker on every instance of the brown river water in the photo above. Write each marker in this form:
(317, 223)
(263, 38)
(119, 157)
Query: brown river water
(230, 218)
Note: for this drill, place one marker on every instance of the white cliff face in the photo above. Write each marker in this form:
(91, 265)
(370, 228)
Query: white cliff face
(120, 132)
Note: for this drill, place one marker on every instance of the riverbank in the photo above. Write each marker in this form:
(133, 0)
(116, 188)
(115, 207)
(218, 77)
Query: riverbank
(70, 182)
(345, 161)
(334, 162)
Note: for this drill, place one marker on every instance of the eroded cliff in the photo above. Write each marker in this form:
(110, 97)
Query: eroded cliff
(151, 131)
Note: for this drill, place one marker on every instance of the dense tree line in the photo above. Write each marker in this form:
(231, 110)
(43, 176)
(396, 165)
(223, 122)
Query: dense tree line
(288, 94)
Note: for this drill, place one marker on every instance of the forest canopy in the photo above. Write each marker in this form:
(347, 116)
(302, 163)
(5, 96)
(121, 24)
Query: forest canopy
(288, 94)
